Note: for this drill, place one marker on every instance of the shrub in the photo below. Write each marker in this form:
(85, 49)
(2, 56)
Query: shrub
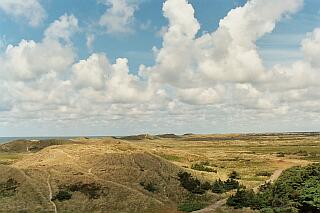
(231, 184)
(190, 183)
(220, 186)
(91, 190)
(296, 190)
(8, 188)
(264, 173)
(206, 186)
(151, 187)
(191, 206)
(202, 167)
(62, 196)
(243, 198)
(234, 175)
(281, 154)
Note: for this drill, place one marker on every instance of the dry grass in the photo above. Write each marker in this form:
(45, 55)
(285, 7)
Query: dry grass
(118, 167)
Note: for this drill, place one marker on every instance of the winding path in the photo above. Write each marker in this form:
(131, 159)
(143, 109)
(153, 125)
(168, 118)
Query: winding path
(50, 194)
(212, 208)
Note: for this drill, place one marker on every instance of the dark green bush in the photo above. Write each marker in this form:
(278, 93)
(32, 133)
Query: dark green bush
(62, 196)
(91, 190)
(220, 186)
(243, 198)
(151, 187)
(234, 175)
(264, 173)
(8, 188)
(206, 186)
(191, 206)
(296, 190)
(190, 183)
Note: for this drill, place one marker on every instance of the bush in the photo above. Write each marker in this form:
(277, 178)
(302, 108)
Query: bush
(8, 188)
(231, 184)
(190, 183)
(62, 196)
(243, 198)
(264, 174)
(151, 187)
(191, 206)
(91, 190)
(202, 167)
(220, 186)
(296, 190)
(234, 175)
(206, 186)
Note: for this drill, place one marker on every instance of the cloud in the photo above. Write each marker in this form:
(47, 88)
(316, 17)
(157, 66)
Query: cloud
(90, 40)
(227, 55)
(119, 16)
(63, 28)
(109, 82)
(311, 47)
(217, 79)
(31, 10)
(28, 60)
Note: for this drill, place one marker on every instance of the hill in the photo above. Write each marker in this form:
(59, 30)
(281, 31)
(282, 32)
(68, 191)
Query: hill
(97, 176)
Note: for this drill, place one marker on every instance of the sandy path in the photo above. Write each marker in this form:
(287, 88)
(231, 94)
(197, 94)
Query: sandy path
(50, 194)
(212, 208)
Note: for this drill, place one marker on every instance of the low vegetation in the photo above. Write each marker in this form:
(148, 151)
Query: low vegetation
(220, 186)
(8, 188)
(151, 187)
(62, 196)
(297, 190)
(264, 174)
(190, 183)
(203, 166)
(191, 206)
(91, 190)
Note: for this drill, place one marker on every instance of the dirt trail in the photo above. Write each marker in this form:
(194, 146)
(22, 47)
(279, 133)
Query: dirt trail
(50, 194)
(212, 208)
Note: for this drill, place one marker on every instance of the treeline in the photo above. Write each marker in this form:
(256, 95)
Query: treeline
(296, 190)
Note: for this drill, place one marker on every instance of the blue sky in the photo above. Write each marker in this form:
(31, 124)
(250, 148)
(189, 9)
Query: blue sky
(261, 83)
(137, 46)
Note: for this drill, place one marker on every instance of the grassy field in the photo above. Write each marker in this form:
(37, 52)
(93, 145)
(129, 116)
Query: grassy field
(98, 174)
(246, 154)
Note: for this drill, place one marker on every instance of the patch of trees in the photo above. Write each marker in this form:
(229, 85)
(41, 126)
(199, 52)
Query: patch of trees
(220, 186)
(296, 190)
(8, 188)
(195, 186)
(190, 183)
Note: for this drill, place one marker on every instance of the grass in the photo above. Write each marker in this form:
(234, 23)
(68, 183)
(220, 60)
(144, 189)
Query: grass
(119, 166)
(247, 154)
(9, 158)
(191, 206)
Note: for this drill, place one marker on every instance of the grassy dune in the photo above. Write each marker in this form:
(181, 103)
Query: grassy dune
(139, 173)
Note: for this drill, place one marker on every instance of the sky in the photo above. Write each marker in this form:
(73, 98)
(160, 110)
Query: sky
(121, 67)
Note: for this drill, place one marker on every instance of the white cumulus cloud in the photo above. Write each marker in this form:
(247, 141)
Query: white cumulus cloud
(31, 10)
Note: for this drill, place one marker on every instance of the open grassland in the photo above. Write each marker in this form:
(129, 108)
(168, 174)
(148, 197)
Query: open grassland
(247, 154)
(98, 175)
